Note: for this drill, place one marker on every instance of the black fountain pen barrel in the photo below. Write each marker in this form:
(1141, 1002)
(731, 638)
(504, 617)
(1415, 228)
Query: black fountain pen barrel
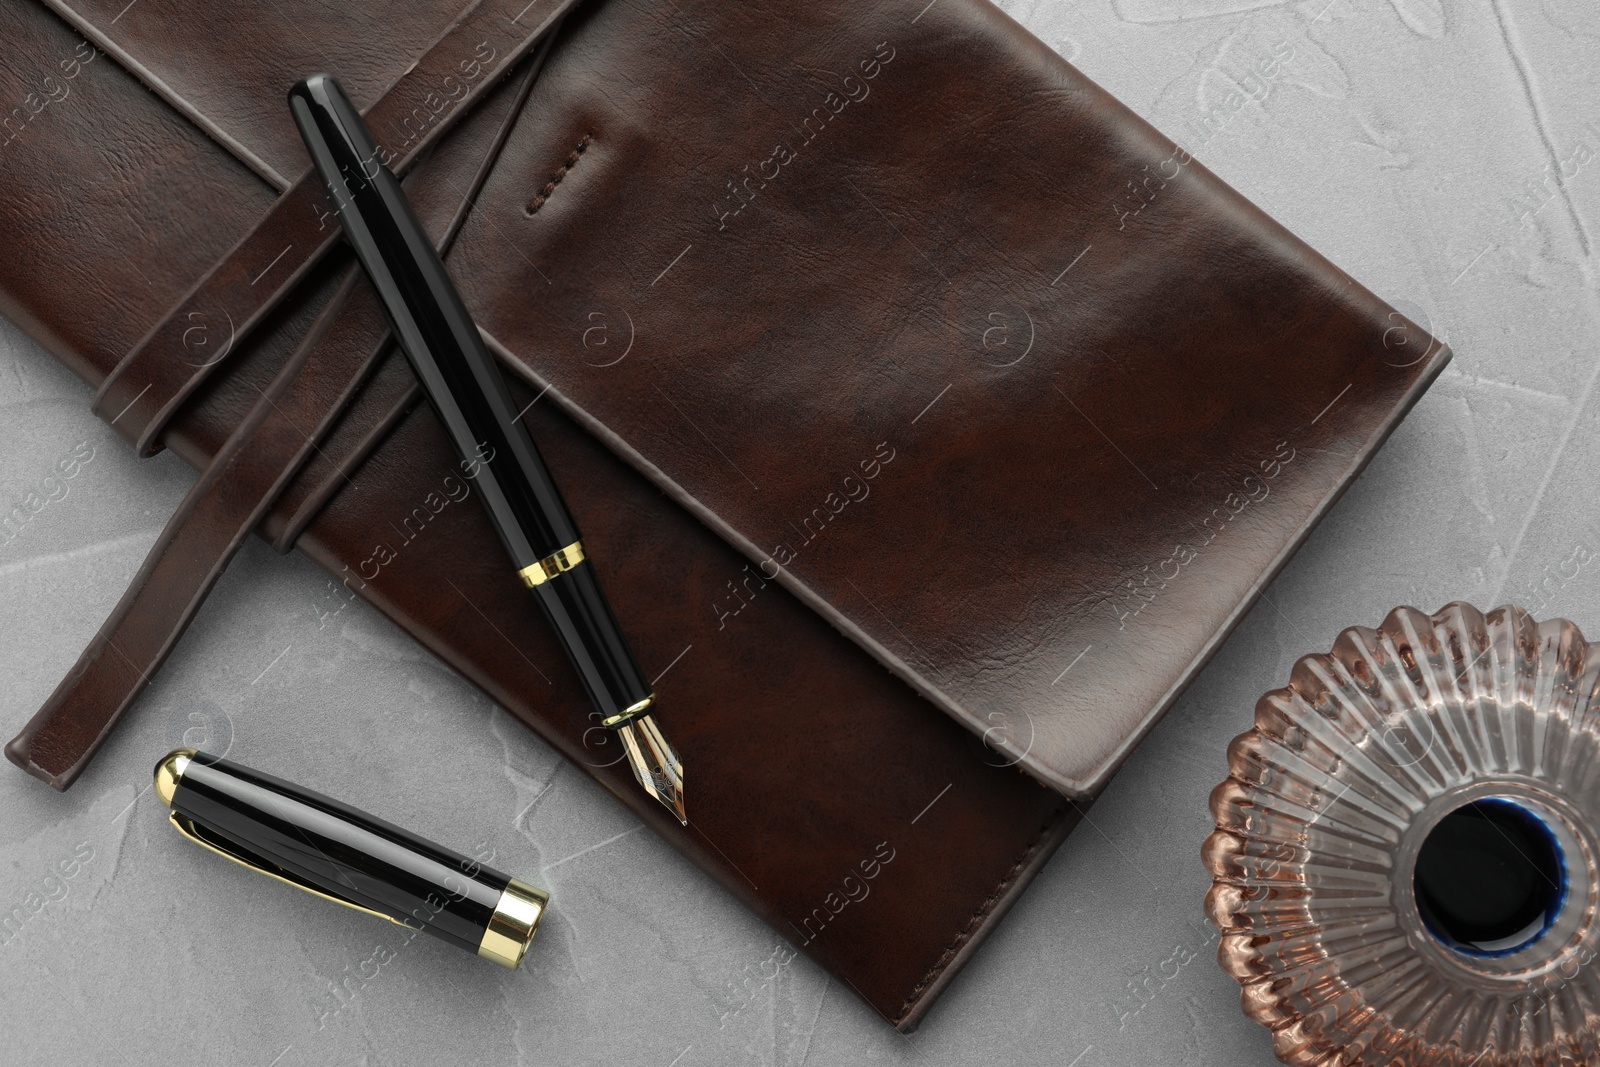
(462, 380)
(318, 843)
(578, 612)
(467, 389)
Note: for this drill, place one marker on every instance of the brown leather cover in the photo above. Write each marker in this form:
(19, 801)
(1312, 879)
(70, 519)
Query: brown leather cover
(967, 362)
(1115, 401)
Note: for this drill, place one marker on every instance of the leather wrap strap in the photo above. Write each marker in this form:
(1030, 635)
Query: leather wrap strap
(196, 336)
(267, 450)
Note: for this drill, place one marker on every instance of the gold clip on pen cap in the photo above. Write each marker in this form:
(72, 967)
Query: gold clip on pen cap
(382, 870)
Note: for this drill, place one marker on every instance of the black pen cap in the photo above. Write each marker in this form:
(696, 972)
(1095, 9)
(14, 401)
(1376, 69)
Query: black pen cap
(336, 852)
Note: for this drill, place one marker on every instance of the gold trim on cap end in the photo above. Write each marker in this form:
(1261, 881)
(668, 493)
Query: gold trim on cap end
(516, 917)
(169, 772)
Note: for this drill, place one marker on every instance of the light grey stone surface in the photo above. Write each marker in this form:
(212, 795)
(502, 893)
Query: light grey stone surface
(1447, 154)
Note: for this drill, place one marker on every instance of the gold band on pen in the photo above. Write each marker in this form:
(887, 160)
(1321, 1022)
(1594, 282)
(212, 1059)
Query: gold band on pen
(515, 918)
(562, 559)
(632, 711)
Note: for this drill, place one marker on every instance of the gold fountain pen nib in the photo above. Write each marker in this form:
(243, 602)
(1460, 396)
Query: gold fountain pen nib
(654, 763)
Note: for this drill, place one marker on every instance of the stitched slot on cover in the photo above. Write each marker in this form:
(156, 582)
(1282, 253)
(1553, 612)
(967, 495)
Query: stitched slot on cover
(571, 161)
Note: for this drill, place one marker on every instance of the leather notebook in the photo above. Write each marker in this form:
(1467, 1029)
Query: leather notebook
(933, 416)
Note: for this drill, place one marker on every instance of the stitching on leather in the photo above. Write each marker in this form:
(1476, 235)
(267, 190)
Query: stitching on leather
(571, 161)
(978, 916)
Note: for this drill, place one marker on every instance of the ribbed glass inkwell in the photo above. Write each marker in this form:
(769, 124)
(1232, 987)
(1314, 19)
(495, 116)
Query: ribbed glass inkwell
(1405, 859)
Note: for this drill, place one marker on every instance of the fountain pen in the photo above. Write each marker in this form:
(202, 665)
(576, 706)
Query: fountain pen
(466, 389)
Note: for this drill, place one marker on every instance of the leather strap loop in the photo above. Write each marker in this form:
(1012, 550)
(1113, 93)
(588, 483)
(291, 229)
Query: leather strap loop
(326, 479)
(196, 336)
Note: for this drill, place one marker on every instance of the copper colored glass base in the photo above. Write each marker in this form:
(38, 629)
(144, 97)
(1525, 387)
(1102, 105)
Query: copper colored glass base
(1328, 803)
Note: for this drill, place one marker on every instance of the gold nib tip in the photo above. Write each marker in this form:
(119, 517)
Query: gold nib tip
(655, 764)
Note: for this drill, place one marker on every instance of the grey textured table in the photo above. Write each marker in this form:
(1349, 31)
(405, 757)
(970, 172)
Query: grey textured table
(1442, 153)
